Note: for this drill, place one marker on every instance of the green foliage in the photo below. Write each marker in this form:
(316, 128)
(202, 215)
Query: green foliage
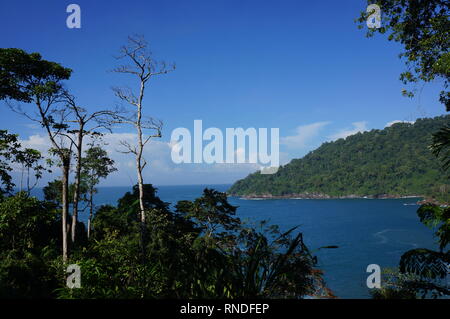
(95, 165)
(273, 265)
(422, 272)
(24, 76)
(25, 222)
(11, 151)
(199, 251)
(441, 146)
(130, 201)
(111, 268)
(418, 277)
(435, 216)
(210, 211)
(430, 266)
(394, 161)
(423, 29)
(53, 191)
(425, 263)
(28, 237)
(396, 286)
(8, 143)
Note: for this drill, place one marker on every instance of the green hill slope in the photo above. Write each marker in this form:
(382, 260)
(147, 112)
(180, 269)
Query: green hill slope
(393, 162)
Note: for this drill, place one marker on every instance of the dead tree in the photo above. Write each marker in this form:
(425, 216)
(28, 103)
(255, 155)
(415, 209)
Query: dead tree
(143, 67)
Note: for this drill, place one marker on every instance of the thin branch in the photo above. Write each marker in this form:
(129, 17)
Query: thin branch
(130, 149)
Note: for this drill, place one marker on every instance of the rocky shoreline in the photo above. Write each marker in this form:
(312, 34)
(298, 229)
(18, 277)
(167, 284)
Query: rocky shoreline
(323, 196)
(421, 198)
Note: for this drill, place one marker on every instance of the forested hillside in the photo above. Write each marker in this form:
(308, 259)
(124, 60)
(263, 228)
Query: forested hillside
(395, 161)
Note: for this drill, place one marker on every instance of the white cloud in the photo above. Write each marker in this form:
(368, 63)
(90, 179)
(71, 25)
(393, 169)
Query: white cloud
(37, 142)
(160, 170)
(398, 121)
(357, 127)
(304, 134)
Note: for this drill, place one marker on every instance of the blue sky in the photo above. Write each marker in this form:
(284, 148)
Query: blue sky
(301, 66)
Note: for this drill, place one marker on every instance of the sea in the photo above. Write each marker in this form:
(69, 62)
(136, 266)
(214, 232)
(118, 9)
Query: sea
(366, 231)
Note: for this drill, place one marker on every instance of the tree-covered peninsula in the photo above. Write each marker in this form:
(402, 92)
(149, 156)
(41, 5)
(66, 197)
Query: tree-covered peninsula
(393, 162)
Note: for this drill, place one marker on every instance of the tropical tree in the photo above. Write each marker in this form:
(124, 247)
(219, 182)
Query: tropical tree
(423, 272)
(12, 153)
(30, 79)
(8, 143)
(95, 165)
(87, 125)
(441, 146)
(30, 160)
(212, 212)
(423, 29)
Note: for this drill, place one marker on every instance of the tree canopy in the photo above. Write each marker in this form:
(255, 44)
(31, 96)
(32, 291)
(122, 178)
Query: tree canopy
(422, 27)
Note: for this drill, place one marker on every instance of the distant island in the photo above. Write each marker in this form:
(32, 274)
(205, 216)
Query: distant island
(394, 162)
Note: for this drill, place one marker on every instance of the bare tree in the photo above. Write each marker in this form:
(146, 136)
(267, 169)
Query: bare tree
(143, 67)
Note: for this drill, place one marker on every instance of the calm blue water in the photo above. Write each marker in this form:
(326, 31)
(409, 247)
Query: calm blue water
(367, 231)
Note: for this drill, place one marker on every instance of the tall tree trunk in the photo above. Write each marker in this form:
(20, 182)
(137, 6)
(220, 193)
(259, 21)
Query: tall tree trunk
(140, 151)
(65, 201)
(76, 191)
(140, 168)
(141, 205)
(64, 156)
(141, 190)
(144, 67)
(91, 212)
